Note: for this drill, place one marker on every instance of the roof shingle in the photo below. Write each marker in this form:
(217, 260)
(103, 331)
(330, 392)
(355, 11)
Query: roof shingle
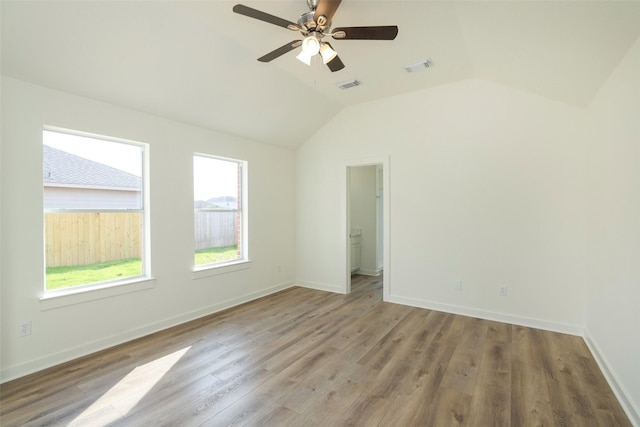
(60, 167)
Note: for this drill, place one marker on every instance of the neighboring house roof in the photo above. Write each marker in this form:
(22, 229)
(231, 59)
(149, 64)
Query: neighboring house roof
(222, 202)
(66, 169)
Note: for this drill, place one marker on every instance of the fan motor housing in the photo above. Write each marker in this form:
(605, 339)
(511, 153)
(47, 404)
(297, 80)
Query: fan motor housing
(306, 20)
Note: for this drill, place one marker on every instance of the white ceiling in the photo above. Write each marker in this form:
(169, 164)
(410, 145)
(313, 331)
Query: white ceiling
(196, 61)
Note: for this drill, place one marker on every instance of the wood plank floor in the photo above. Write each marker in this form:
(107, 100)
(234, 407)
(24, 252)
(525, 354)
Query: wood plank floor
(305, 358)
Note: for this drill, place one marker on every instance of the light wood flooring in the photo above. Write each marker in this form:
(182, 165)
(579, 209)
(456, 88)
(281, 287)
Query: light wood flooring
(305, 358)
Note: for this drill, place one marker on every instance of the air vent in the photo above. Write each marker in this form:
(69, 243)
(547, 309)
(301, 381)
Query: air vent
(348, 84)
(419, 66)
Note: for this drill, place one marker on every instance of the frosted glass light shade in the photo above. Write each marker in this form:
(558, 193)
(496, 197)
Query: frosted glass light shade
(311, 45)
(327, 53)
(304, 57)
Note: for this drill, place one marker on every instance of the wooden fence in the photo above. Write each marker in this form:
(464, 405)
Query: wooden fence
(214, 229)
(88, 238)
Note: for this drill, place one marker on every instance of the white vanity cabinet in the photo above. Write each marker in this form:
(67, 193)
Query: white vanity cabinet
(354, 238)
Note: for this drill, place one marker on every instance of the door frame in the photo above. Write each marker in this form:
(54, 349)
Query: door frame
(346, 220)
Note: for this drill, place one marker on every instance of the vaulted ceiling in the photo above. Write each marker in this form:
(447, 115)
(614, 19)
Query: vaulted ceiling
(196, 61)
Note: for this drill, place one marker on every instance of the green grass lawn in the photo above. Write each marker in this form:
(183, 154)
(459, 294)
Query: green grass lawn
(63, 277)
(213, 255)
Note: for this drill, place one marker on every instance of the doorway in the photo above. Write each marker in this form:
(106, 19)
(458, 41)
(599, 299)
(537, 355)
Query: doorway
(367, 221)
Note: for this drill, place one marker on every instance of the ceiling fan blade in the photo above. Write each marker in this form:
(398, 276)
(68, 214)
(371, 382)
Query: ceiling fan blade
(335, 64)
(265, 17)
(326, 8)
(388, 32)
(280, 51)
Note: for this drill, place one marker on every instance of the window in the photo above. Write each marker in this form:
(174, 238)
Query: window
(94, 211)
(219, 214)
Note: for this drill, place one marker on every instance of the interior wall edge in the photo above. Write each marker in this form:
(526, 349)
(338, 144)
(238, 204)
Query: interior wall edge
(546, 325)
(32, 366)
(630, 408)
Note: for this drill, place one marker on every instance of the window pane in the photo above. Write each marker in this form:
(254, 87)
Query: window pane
(84, 248)
(217, 210)
(89, 173)
(93, 210)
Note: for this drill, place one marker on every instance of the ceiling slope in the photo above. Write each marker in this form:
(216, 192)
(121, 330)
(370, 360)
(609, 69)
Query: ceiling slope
(195, 61)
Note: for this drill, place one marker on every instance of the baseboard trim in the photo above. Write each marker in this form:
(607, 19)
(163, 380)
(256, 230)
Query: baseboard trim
(365, 272)
(33, 366)
(564, 328)
(321, 287)
(632, 411)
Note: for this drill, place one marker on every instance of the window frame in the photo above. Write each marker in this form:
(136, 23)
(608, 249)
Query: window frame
(79, 293)
(243, 261)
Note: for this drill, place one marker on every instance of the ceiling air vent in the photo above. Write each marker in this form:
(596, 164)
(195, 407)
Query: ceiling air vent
(419, 66)
(348, 84)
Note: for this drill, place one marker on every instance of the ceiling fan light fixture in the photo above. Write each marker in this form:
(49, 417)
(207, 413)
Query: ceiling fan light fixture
(313, 26)
(304, 57)
(311, 45)
(327, 53)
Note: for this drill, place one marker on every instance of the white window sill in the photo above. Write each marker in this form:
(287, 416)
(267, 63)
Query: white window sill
(215, 269)
(65, 297)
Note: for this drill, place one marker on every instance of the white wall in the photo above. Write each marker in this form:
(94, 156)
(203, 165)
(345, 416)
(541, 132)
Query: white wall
(66, 332)
(362, 199)
(613, 306)
(487, 185)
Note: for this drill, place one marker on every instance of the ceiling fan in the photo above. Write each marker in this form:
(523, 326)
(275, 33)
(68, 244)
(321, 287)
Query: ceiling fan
(314, 25)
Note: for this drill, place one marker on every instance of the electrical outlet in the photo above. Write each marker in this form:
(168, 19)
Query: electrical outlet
(503, 291)
(458, 285)
(24, 328)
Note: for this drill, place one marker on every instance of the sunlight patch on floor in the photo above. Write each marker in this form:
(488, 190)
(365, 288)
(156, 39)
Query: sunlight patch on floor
(128, 392)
